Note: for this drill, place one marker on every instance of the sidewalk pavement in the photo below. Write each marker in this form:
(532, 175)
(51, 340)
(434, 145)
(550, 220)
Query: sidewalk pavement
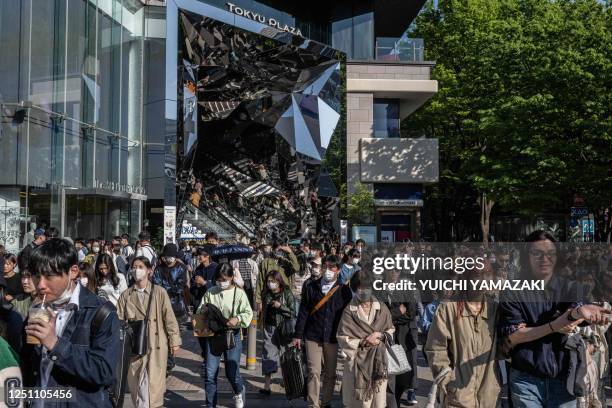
(185, 386)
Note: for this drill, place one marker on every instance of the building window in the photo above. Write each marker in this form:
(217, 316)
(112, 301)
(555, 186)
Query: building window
(386, 118)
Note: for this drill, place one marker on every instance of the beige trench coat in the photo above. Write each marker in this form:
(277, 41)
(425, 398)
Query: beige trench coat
(163, 334)
(349, 346)
(473, 381)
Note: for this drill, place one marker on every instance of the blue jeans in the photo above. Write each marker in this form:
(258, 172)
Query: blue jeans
(529, 391)
(232, 371)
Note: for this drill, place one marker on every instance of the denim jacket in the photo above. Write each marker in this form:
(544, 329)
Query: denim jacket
(81, 359)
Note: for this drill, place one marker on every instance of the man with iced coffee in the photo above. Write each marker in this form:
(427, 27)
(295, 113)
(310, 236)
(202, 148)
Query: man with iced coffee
(64, 349)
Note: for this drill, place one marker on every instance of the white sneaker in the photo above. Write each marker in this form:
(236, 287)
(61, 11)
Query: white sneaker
(238, 402)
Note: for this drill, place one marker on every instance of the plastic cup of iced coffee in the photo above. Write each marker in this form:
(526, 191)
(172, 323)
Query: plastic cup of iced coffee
(38, 313)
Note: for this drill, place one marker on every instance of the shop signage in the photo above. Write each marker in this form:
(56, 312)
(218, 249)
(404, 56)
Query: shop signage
(579, 211)
(272, 22)
(365, 232)
(398, 203)
(124, 188)
(169, 224)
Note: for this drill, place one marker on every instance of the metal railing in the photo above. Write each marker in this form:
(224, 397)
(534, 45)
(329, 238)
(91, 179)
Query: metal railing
(400, 49)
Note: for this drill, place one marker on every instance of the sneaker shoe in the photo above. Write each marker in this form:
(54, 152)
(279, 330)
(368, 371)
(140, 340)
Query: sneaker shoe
(238, 402)
(412, 398)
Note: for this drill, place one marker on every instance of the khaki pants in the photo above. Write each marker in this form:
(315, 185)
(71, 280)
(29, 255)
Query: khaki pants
(315, 354)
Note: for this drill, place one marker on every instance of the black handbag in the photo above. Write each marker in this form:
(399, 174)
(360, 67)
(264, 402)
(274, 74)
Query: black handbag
(224, 340)
(140, 330)
(286, 330)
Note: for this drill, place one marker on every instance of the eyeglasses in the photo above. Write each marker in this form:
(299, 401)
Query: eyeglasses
(542, 254)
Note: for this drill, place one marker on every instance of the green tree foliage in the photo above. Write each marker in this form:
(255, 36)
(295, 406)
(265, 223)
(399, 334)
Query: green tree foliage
(361, 205)
(523, 108)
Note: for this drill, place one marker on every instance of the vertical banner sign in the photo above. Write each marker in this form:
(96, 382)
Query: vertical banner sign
(169, 224)
(343, 231)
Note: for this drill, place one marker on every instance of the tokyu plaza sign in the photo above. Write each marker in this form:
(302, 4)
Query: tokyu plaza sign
(272, 22)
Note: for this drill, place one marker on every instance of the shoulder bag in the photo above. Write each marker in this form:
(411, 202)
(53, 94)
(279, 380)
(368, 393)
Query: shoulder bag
(140, 329)
(224, 340)
(397, 361)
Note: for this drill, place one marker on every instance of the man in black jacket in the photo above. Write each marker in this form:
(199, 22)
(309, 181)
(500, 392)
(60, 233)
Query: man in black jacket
(40, 236)
(323, 301)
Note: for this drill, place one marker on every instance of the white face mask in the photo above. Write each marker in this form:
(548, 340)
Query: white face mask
(170, 259)
(84, 281)
(224, 284)
(355, 261)
(187, 248)
(64, 297)
(95, 249)
(139, 274)
(273, 285)
(330, 276)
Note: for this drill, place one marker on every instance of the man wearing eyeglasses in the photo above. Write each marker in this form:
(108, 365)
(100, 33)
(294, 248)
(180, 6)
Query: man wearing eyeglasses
(537, 325)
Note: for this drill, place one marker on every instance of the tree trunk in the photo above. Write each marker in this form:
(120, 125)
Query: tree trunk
(486, 205)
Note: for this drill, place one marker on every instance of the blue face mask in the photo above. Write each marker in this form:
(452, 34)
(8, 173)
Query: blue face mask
(364, 295)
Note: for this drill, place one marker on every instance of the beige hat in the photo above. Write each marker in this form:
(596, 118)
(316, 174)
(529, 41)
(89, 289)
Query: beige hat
(316, 261)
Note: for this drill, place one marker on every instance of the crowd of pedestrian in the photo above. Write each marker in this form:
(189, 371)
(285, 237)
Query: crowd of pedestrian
(67, 303)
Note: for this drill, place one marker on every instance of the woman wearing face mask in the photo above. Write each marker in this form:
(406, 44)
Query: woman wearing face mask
(350, 266)
(108, 280)
(92, 256)
(235, 307)
(147, 374)
(88, 278)
(362, 334)
(278, 306)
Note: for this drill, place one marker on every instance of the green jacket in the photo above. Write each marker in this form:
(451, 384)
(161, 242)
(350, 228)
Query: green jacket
(285, 311)
(223, 300)
(9, 364)
(287, 266)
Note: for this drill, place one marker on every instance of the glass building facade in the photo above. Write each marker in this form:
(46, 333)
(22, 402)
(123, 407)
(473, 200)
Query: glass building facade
(71, 92)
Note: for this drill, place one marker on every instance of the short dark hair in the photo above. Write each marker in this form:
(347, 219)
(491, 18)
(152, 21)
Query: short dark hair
(52, 233)
(360, 241)
(117, 238)
(144, 260)
(144, 236)
(361, 279)
(211, 234)
(53, 258)
(126, 236)
(334, 260)
(202, 251)
(12, 258)
(224, 270)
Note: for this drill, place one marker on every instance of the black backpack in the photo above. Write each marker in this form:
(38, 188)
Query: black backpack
(116, 392)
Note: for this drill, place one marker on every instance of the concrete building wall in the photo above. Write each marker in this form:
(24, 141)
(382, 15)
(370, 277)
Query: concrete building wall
(399, 160)
(360, 119)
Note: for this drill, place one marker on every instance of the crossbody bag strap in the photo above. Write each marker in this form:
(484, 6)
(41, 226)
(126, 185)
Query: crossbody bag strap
(324, 300)
(233, 302)
(150, 301)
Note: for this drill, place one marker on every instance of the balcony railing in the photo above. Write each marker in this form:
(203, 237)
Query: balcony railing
(400, 49)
